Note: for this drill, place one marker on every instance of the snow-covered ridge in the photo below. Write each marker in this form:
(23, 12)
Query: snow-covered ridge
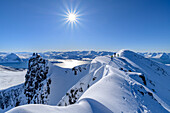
(127, 83)
(141, 84)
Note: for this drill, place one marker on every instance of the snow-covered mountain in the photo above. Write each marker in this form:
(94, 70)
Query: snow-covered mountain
(85, 55)
(10, 58)
(36, 78)
(159, 57)
(127, 83)
(79, 55)
(61, 55)
(20, 59)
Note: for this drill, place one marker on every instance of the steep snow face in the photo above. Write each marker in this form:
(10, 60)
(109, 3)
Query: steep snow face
(63, 79)
(11, 58)
(157, 75)
(127, 83)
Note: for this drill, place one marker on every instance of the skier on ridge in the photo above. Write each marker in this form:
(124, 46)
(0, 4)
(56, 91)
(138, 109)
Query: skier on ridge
(111, 57)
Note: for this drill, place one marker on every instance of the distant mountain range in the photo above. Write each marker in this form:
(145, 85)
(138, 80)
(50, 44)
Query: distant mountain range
(78, 55)
(160, 57)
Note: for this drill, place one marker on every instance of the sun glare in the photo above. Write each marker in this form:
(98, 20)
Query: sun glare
(72, 17)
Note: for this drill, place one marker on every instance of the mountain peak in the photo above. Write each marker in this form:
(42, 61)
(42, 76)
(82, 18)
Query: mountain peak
(125, 53)
(12, 58)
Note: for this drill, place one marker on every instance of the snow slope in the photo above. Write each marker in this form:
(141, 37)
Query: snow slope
(62, 80)
(128, 83)
(10, 77)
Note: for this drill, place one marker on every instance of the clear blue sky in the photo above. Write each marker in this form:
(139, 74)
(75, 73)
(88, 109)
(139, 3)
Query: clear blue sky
(37, 25)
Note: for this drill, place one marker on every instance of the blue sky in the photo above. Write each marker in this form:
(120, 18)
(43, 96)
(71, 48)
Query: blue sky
(38, 25)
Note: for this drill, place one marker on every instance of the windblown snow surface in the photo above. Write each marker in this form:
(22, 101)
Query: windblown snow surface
(10, 77)
(128, 83)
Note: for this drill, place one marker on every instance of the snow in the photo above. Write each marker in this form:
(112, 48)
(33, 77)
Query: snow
(113, 96)
(78, 55)
(159, 57)
(85, 55)
(11, 58)
(168, 64)
(159, 73)
(70, 63)
(10, 77)
(62, 80)
(128, 83)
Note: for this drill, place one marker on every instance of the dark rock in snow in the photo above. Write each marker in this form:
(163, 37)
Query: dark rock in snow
(35, 88)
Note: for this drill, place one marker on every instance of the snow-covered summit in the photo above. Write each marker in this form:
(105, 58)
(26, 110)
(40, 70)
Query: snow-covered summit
(11, 58)
(125, 53)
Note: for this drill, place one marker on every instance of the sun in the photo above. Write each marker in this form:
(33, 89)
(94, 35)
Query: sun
(72, 17)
